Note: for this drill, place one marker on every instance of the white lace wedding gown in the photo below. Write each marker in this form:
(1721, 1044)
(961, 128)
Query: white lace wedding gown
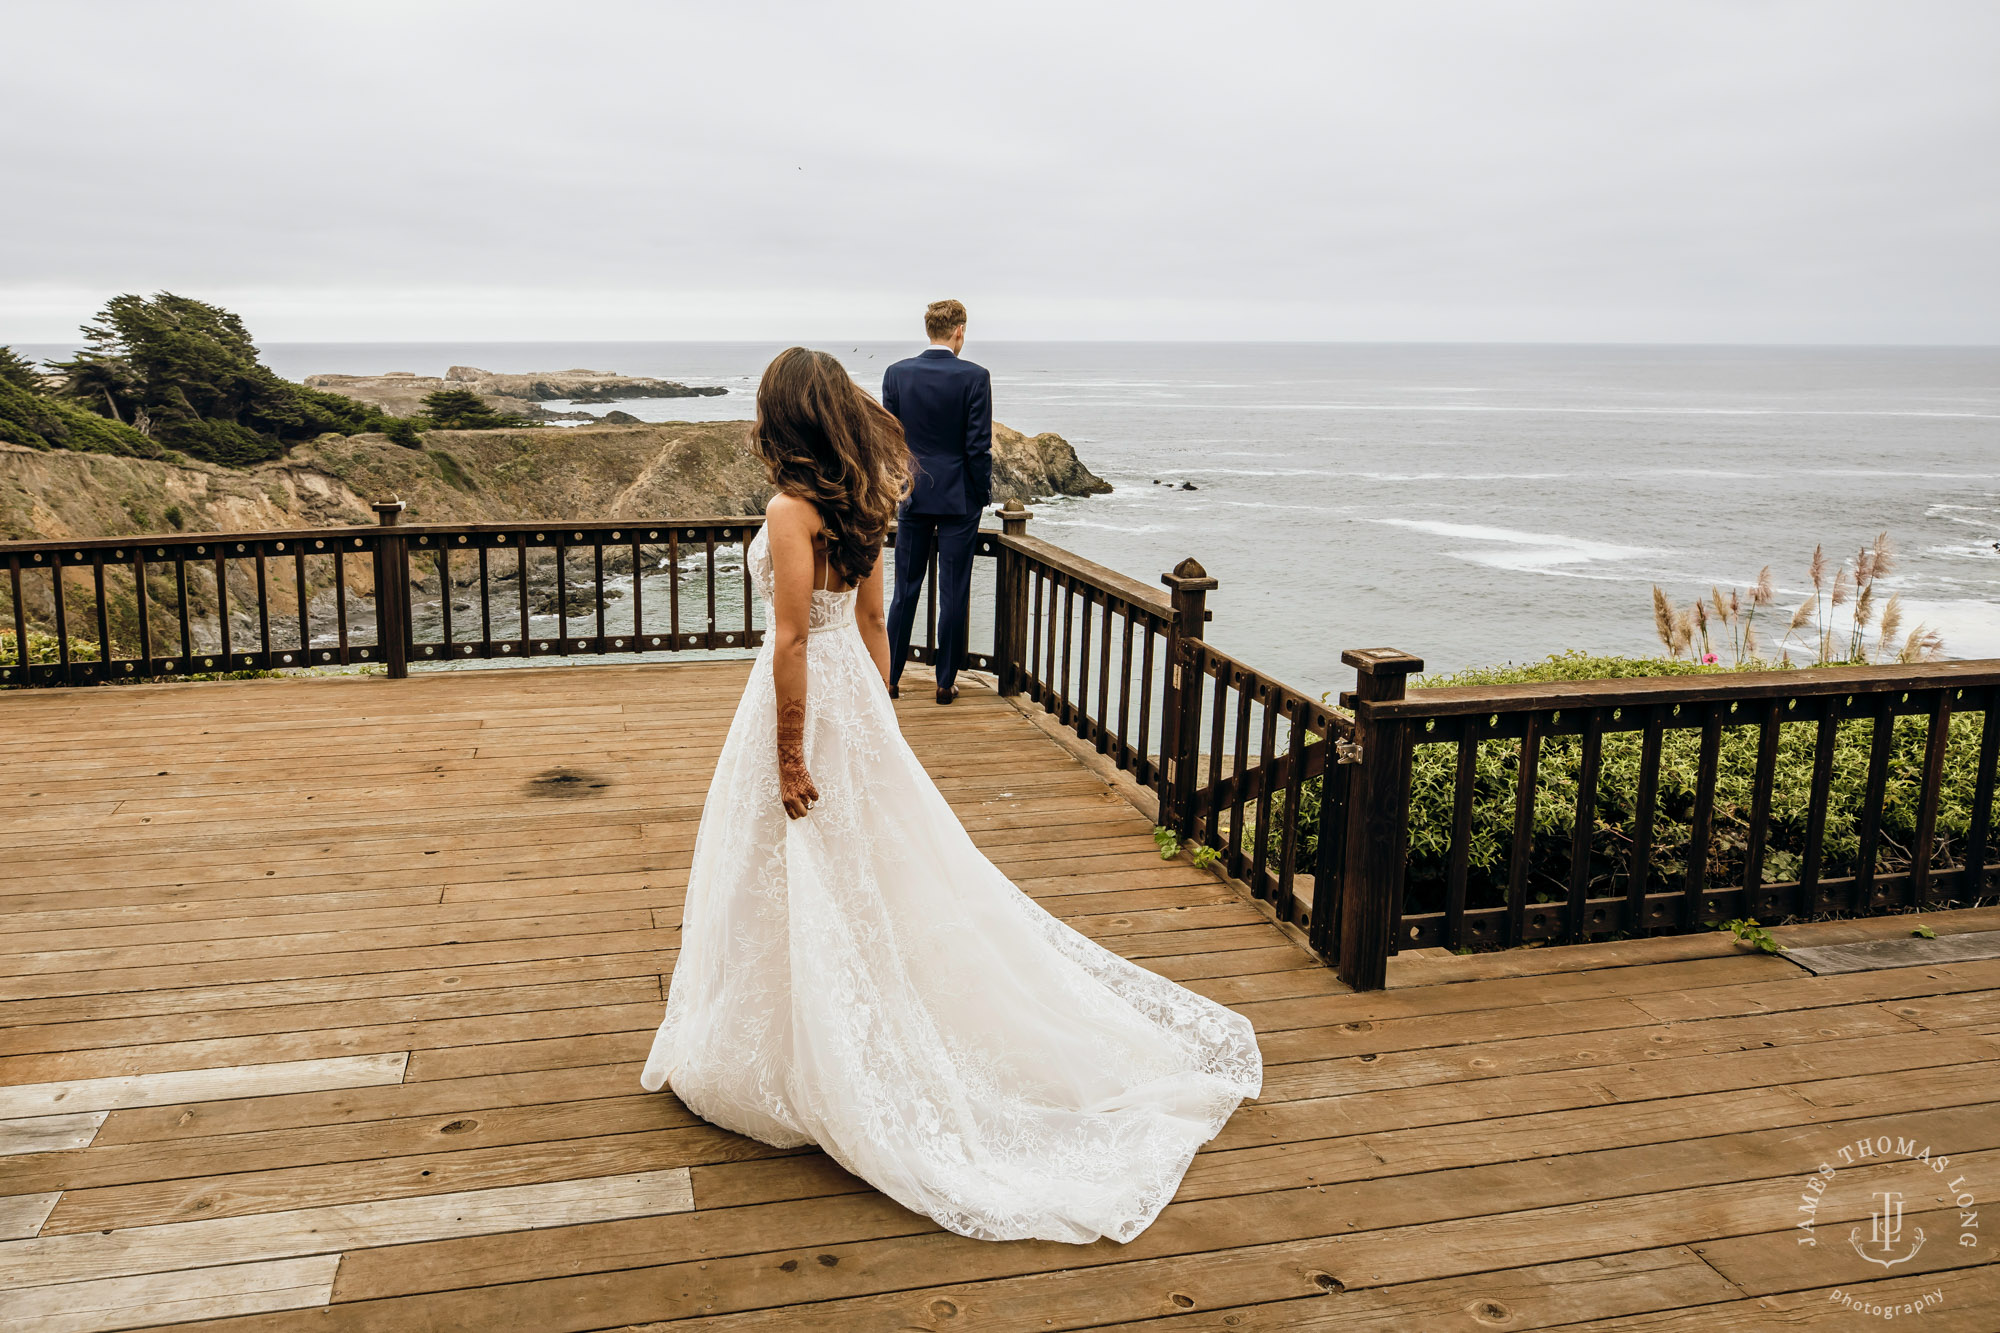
(866, 980)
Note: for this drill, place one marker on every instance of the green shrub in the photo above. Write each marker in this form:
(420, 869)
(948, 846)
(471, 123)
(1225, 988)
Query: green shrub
(28, 417)
(176, 373)
(462, 409)
(1497, 765)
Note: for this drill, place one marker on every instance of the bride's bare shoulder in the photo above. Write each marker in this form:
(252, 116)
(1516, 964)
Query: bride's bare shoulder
(791, 513)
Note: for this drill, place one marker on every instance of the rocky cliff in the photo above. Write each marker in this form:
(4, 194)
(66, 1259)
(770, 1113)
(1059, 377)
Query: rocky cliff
(401, 393)
(600, 471)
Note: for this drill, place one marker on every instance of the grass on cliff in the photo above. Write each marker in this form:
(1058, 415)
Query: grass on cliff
(1497, 765)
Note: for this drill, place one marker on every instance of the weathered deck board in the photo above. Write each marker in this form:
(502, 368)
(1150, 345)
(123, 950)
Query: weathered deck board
(310, 1005)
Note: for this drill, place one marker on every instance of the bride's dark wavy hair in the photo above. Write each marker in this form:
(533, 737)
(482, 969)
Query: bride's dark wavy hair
(824, 439)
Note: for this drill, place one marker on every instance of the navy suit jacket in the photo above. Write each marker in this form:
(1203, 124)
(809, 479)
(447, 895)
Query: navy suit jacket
(946, 406)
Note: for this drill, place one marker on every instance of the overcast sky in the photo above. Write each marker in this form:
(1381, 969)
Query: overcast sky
(1815, 171)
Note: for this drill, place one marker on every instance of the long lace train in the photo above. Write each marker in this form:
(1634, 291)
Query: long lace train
(866, 980)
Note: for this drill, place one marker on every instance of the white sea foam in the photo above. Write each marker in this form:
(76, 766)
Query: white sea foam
(1524, 552)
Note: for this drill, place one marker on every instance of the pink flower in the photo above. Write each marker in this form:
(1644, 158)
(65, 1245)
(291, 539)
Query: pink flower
(1708, 659)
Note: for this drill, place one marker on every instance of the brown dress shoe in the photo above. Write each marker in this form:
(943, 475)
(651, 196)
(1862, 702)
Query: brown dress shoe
(945, 696)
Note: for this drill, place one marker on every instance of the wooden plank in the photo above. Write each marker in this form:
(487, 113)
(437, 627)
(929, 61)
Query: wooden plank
(1291, 1285)
(43, 1260)
(23, 1214)
(168, 1087)
(172, 1298)
(222, 1192)
(49, 1133)
(1870, 955)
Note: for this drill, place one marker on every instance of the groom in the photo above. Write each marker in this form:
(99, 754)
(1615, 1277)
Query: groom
(946, 406)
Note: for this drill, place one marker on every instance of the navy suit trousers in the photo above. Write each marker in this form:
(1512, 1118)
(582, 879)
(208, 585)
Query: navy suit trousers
(952, 537)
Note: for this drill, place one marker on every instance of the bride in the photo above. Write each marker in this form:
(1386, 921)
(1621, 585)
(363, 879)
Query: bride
(853, 972)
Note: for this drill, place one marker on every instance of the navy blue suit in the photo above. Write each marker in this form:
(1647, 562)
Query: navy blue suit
(946, 406)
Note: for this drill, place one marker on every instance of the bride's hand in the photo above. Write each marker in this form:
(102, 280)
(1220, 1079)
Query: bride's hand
(795, 788)
(795, 785)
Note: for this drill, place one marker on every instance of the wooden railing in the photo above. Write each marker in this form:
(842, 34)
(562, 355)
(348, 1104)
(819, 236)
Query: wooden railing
(163, 607)
(1308, 805)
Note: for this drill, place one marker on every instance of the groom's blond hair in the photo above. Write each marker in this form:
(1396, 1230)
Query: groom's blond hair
(941, 317)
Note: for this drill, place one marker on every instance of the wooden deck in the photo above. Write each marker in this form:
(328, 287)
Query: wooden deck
(325, 1001)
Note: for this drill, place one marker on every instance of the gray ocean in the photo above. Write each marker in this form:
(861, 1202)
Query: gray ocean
(1469, 504)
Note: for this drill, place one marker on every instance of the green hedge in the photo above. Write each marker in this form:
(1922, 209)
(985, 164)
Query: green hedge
(1434, 771)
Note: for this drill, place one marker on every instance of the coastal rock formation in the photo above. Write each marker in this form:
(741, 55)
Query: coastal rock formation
(595, 471)
(401, 393)
(1028, 467)
(583, 386)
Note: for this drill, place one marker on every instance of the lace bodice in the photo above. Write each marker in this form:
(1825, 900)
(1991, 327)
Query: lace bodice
(830, 610)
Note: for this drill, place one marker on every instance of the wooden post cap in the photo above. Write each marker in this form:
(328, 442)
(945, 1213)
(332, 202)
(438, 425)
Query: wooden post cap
(1382, 661)
(1189, 576)
(388, 511)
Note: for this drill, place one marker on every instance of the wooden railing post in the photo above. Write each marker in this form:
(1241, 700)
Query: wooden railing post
(1371, 881)
(1180, 712)
(1010, 602)
(392, 593)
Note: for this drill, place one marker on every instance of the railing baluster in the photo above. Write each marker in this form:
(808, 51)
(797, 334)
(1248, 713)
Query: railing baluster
(485, 602)
(597, 583)
(1923, 849)
(1296, 716)
(562, 594)
(1827, 737)
(1040, 595)
(1584, 826)
(1330, 851)
(103, 617)
(181, 601)
(444, 593)
(521, 590)
(1146, 767)
(1979, 829)
(1760, 809)
(1701, 828)
(340, 598)
(1524, 828)
(222, 604)
(1125, 694)
(1267, 751)
(263, 609)
(708, 552)
(748, 627)
(1104, 681)
(1068, 713)
(1880, 744)
(674, 588)
(21, 620)
(145, 608)
(1082, 722)
(1208, 815)
(639, 588)
(1464, 779)
(305, 619)
(1239, 759)
(1056, 660)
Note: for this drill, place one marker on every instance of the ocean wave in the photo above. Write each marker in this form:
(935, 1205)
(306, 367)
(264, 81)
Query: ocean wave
(1522, 552)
